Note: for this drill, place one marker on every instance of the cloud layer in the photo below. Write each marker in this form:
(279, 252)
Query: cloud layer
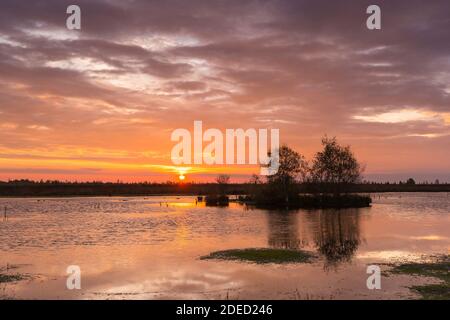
(101, 102)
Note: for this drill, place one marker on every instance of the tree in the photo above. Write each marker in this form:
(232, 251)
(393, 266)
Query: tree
(223, 179)
(255, 179)
(218, 196)
(410, 181)
(292, 168)
(335, 165)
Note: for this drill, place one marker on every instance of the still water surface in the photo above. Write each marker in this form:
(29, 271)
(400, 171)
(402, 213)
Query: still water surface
(149, 247)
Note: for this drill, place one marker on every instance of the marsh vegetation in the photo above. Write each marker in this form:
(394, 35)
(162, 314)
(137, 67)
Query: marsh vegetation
(438, 268)
(262, 255)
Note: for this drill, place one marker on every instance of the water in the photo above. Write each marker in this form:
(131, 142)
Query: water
(149, 247)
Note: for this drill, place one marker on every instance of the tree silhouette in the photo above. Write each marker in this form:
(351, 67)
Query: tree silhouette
(292, 168)
(335, 165)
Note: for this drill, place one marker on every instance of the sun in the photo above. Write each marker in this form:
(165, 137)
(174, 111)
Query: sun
(182, 173)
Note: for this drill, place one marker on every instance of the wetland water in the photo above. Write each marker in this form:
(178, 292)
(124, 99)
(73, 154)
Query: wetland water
(150, 247)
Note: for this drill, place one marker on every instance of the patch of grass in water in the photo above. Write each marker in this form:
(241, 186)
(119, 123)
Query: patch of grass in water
(433, 291)
(10, 277)
(262, 255)
(440, 269)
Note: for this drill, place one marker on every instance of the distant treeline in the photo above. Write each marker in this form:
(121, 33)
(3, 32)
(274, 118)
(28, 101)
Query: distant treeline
(27, 188)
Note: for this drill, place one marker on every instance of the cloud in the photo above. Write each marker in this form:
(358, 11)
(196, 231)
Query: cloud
(138, 69)
(400, 116)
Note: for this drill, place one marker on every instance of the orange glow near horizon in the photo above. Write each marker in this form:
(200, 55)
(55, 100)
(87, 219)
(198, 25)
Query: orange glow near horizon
(101, 104)
(130, 166)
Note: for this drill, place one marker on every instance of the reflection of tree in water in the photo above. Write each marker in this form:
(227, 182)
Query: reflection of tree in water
(283, 230)
(335, 233)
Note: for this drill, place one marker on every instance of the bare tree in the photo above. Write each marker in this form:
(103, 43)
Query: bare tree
(223, 179)
(255, 179)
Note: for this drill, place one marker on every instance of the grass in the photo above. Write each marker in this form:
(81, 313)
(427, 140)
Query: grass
(10, 277)
(433, 291)
(439, 268)
(262, 255)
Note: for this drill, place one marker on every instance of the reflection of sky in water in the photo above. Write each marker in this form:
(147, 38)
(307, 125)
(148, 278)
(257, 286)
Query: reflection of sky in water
(148, 247)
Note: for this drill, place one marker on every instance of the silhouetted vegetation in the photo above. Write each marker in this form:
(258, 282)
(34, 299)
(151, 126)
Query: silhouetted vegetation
(333, 168)
(217, 200)
(326, 180)
(218, 196)
(282, 187)
(29, 188)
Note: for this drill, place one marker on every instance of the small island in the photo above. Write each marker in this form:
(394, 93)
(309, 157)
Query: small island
(327, 180)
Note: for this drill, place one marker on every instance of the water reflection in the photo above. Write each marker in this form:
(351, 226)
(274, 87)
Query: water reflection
(335, 234)
(142, 248)
(284, 230)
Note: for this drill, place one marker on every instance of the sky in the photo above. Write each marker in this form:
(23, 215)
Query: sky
(100, 103)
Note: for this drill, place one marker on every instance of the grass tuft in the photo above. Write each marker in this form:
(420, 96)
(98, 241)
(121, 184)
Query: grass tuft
(262, 255)
(440, 269)
(10, 277)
